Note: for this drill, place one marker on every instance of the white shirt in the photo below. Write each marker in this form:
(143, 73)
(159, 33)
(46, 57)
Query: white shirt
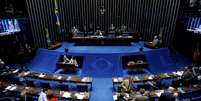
(155, 42)
(42, 97)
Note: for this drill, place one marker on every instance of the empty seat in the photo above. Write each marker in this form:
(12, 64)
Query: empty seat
(30, 83)
(45, 85)
(64, 87)
(82, 88)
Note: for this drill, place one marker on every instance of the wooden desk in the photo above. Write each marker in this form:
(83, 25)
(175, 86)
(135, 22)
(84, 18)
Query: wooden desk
(154, 94)
(66, 66)
(106, 39)
(33, 91)
(145, 78)
(50, 77)
(137, 66)
(58, 77)
(55, 46)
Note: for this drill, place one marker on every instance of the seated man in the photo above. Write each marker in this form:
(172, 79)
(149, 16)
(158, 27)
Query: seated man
(43, 95)
(2, 64)
(73, 61)
(74, 31)
(99, 34)
(123, 28)
(196, 71)
(126, 85)
(154, 44)
(70, 61)
(168, 95)
(185, 79)
(66, 60)
(112, 28)
(187, 74)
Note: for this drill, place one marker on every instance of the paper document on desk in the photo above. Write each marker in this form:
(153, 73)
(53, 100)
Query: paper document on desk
(16, 71)
(69, 78)
(181, 90)
(137, 78)
(150, 77)
(8, 87)
(199, 77)
(59, 77)
(26, 73)
(114, 97)
(13, 88)
(79, 96)
(166, 75)
(66, 95)
(115, 79)
(84, 79)
(120, 79)
(179, 73)
(42, 75)
(159, 92)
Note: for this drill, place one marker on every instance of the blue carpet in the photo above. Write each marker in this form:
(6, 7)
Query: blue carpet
(160, 60)
(102, 90)
(102, 65)
(104, 62)
(44, 61)
(101, 49)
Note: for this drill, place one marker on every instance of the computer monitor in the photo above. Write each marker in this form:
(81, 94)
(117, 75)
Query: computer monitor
(9, 26)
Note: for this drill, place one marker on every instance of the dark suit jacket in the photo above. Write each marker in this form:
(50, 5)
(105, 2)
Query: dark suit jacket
(166, 96)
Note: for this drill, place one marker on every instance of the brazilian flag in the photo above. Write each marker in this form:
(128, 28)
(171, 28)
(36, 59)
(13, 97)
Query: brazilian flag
(56, 11)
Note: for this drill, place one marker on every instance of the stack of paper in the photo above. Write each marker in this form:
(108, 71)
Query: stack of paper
(59, 77)
(16, 71)
(115, 80)
(26, 73)
(8, 87)
(66, 95)
(42, 75)
(85, 79)
(159, 92)
(79, 96)
(13, 88)
(69, 78)
(114, 97)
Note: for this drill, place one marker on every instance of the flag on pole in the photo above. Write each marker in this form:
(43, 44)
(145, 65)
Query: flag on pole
(48, 38)
(56, 11)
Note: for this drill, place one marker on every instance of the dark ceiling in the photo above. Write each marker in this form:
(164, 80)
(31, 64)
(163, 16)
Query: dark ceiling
(12, 8)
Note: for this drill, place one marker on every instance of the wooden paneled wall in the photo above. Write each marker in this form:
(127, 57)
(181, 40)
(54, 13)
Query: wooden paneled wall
(145, 16)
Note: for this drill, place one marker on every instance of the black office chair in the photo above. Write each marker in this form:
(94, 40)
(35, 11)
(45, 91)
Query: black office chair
(30, 83)
(64, 87)
(166, 96)
(82, 88)
(119, 88)
(144, 86)
(66, 50)
(45, 85)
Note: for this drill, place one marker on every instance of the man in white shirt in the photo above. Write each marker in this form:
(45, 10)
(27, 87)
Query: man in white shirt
(43, 95)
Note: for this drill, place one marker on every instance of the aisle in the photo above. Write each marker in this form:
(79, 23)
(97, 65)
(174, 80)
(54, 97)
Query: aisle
(102, 89)
(102, 65)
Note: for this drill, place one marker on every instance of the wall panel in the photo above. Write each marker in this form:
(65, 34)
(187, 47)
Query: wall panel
(145, 16)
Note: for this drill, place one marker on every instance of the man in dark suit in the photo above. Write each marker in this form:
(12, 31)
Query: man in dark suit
(167, 95)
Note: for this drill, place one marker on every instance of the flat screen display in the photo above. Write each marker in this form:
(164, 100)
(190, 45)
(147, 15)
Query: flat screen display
(9, 26)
